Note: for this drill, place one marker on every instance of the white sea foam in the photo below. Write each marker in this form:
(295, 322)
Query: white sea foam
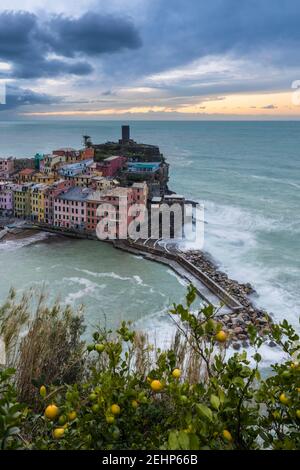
(12, 245)
(90, 288)
(231, 237)
(159, 327)
(181, 281)
(112, 275)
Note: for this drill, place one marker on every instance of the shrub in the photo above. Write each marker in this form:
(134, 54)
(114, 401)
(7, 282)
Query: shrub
(42, 343)
(193, 396)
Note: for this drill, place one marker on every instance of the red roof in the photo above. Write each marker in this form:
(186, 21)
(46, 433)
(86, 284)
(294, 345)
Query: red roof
(27, 171)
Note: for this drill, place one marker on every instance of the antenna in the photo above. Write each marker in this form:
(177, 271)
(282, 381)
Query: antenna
(87, 141)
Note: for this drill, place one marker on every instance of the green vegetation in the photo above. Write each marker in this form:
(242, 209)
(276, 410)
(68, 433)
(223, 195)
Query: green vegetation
(119, 392)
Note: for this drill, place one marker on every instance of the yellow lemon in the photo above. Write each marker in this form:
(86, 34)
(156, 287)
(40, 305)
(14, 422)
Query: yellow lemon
(298, 414)
(58, 433)
(51, 411)
(134, 404)
(110, 419)
(283, 399)
(100, 348)
(227, 436)
(43, 391)
(176, 373)
(72, 415)
(156, 385)
(115, 409)
(221, 336)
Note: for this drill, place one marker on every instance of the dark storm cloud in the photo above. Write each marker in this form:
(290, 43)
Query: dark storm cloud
(16, 97)
(189, 29)
(91, 34)
(29, 44)
(177, 32)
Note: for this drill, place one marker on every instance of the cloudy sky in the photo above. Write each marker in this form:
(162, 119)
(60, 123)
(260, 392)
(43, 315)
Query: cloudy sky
(150, 59)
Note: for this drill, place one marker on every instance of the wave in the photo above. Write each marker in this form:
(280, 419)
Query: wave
(12, 245)
(112, 275)
(181, 281)
(159, 328)
(233, 237)
(90, 288)
(276, 180)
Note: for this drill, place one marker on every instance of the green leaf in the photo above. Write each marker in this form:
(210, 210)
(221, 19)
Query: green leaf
(221, 395)
(194, 442)
(238, 381)
(257, 357)
(215, 402)
(173, 441)
(184, 440)
(204, 411)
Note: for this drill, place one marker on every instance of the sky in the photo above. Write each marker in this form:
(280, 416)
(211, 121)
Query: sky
(150, 59)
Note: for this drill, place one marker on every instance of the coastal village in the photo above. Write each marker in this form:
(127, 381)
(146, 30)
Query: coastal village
(62, 191)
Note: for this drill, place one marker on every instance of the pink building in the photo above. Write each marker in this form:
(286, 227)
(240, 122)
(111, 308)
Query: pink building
(111, 165)
(6, 167)
(6, 199)
(140, 193)
(116, 204)
(70, 208)
(51, 194)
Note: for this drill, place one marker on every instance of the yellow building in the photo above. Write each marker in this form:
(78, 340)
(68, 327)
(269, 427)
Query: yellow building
(100, 183)
(44, 178)
(22, 200)
(37, 202)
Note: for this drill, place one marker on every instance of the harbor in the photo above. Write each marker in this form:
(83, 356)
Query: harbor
(234, 302)
(61, 193)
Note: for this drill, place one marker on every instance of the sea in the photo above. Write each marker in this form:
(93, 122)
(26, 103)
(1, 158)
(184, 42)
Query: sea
(247, 175)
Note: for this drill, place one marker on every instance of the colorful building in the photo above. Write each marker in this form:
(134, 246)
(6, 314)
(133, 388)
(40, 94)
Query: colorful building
(83, 180)
(141, 167)
(75, 169)
(37, 202)
(37, 160)
(51, 163)
(140, 193)
(99, 183)
(7, 166)
(22, 200)
(87, 153)
(24, 176)
(71, 155)
(52, 192)
(70, 208)
(111, 165)
(43, 178)
(6, 199)
(115, 206)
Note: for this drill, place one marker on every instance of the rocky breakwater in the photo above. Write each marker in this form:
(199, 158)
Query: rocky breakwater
(236, 323)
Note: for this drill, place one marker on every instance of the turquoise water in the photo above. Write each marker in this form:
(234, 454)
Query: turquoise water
(246, 173)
